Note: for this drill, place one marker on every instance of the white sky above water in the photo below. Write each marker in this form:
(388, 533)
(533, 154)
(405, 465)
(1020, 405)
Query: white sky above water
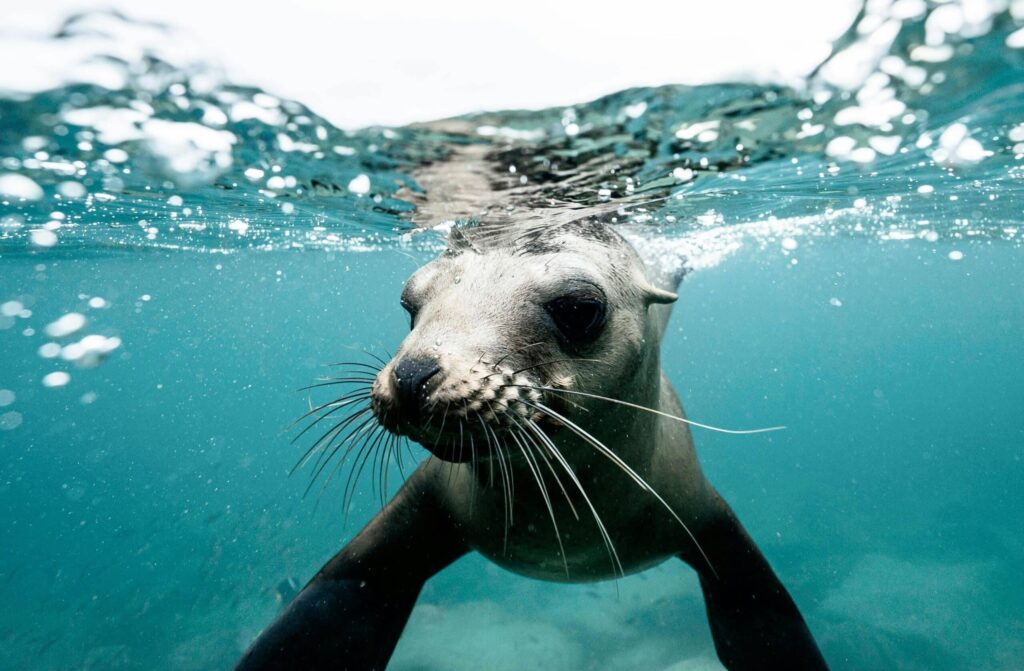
(400, 61)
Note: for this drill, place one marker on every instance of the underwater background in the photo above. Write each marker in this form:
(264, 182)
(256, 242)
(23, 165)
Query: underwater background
(180, 254)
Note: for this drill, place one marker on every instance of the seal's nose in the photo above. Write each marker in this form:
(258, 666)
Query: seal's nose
(411, 377)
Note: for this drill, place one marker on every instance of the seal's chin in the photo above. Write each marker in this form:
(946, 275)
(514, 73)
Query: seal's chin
(475, 442)
(470, 445)
(453, 452)
(461, 417)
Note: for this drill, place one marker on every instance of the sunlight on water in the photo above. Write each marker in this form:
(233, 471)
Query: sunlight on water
(156, 306)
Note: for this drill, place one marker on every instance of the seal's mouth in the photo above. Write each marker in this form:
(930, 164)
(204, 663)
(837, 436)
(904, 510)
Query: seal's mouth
(463, 439)
(480, 414)
(463, 413)
(464, 430)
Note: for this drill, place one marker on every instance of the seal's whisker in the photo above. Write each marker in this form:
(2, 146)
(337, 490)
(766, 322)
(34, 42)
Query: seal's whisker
(551, 468)
(359, 364)
(451, 468)
(539, 365)
(340, 426)
(601, 447)
(355, 412)
(502, 358)
(367, 447)
(512, 481)
(444, 418)
(610, 454)
(535, 470)
(385, 460)
(324, 442)
(331, 407)
(325, 457)
(506, 491)
(399, 444)
(741, 432)
(473, 465)
(606, 537)
(385, 464)
(330, 447)
(508, 479)
(330, 382)
(390, 450)
(374, 434)
(377, 455)
(506, 487)
(363, 392)
(487, 437)
(362, 457)
(506, 454)
(461, 445)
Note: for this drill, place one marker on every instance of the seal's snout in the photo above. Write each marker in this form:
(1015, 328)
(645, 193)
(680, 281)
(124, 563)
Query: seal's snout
(454, 406)
(412, 376)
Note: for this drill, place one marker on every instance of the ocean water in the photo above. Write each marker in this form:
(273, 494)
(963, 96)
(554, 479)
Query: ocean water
(179, 255)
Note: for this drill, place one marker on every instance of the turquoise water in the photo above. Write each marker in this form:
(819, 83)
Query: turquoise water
(221, 246)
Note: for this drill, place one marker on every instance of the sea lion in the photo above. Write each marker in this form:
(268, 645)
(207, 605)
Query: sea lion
(558, 449)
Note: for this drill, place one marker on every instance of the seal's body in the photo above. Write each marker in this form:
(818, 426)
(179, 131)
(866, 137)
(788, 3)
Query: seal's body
(559, 451)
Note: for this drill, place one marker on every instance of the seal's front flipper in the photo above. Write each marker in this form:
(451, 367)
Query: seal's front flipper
(754, 622)
(352, 612)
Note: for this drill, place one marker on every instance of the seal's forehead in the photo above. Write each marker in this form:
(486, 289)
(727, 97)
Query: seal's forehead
(534, 256)
(583, 235)
(573, 266)
(533, 239)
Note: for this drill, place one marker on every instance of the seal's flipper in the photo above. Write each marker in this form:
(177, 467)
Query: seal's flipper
(352, 612)
(754, 621)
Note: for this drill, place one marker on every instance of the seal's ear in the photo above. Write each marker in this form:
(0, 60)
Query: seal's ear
(654, 295)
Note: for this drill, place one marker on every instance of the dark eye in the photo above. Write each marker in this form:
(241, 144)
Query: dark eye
(579, 319)
(412, 310)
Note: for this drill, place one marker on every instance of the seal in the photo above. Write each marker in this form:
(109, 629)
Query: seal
(557, 449)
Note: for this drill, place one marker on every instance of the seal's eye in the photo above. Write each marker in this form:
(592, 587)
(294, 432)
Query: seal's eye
(412, 310)
(578, 318)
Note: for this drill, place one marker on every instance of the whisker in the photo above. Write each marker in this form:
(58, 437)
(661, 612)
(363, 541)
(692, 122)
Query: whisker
(740, 432)
(339, 402)
(359, 364)
(339, 427)
(544, 438)
(535, 470)
(330, 382)
(510, 353)
(380, 464)
(374, 434)
(625, 468)
(473, 466)
(399, 444)
(506, 492)
(325, 456)
(362, 457)
(543, 363)
(551, 468)
(444, 418)
(490, 462)
(507, 480)
(460, 440)
(385, 461)
(512, 482)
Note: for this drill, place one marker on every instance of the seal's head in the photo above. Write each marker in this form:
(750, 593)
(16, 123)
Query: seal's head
(502, 318)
